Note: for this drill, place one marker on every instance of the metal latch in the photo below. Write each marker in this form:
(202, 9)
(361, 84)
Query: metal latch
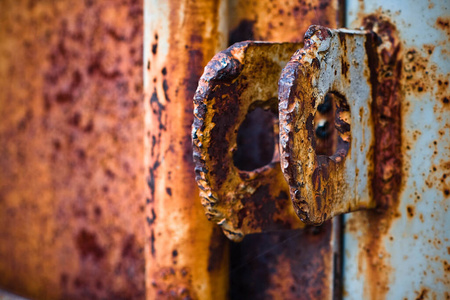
(299, 92)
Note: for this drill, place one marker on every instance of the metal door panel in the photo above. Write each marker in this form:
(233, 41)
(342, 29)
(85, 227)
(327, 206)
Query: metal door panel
(403, 253)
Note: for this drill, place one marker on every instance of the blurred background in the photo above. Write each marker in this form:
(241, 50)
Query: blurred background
(72, 183)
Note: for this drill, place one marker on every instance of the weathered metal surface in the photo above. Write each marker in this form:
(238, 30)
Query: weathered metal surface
(333, 61)
(235, 84)
(186, 256)
(386, 67)
(72, 183)
(281, 21)
(402, 251)
(71, 132)
(280, 269)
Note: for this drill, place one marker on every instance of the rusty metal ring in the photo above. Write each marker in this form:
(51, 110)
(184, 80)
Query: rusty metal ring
(235, 80)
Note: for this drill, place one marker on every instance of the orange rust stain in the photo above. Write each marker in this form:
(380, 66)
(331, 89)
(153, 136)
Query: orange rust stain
(186, 255)
(163, 283)
(421, 295)
(446, 192)
(411, 211)
(429, 49)
(446, 101)
(443, 24)
(373, 259)
(440, 172)
(446, 266)
(421, 218)
(442, 91)
(418, 71)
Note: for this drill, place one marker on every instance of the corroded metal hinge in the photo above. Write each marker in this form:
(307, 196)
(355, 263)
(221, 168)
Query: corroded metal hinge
(327, 171)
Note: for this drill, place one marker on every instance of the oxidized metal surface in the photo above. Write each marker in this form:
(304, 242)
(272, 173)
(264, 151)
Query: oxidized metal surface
(186, 256)
(385, 65)
(237, 82)
(72, 183)
(284, 270)
(403, 250)
(337, 62)
(281, 21)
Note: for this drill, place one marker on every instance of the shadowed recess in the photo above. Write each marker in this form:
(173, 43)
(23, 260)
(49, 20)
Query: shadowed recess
(255, 140)
(329, 124)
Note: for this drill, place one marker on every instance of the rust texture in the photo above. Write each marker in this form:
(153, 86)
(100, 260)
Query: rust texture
(280, 269)
(186, 255)
(327, 137)
(281, 21)
(320, 185)
(394, 81)
(72, 183)
(237, 82)
(285, 21)
(412, 78)
(388, 94)
(386, 66)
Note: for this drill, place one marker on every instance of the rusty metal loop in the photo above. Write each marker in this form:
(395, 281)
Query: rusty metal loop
(235, 80)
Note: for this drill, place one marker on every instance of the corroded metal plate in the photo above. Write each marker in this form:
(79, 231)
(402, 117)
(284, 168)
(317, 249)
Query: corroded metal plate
(332, 61)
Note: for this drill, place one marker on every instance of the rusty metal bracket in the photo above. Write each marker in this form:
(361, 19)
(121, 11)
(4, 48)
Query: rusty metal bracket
(236, 82)
(333, 79)
(335, 62)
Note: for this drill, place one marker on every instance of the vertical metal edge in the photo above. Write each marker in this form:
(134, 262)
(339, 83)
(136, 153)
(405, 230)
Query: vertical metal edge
(186, 256)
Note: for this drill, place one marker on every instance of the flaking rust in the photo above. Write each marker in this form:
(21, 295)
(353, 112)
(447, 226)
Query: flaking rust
(235, 82)
(340, 62)
(186, 256)
(386, 65)
(388, 88)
